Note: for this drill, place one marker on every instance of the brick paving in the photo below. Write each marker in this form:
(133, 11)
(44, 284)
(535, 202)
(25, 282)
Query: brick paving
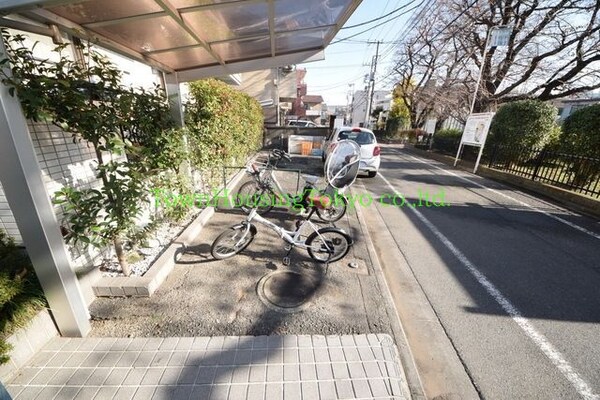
(232, 367)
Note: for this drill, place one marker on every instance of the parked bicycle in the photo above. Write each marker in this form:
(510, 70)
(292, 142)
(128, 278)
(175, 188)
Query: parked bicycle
(264, 191)
(324, 245)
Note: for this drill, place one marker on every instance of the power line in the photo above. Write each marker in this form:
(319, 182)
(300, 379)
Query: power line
(379, 18)
(382, 23)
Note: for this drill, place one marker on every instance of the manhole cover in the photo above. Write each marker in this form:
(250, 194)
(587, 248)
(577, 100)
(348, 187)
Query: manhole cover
(288, 291)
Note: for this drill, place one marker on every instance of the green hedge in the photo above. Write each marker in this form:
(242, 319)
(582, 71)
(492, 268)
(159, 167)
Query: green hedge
(581, 132)
(224, 124)
(448, 133)
(528, 123)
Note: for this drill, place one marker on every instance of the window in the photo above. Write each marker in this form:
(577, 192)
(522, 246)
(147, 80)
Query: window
(358, 137)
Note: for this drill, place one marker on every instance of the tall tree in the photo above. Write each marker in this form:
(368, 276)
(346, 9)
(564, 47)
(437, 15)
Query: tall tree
(553, 50)
(432, 72)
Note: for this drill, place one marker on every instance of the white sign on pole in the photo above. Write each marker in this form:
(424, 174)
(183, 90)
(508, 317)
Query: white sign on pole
(430, 126)
(476, 129)
(500, 36)
(475, 134)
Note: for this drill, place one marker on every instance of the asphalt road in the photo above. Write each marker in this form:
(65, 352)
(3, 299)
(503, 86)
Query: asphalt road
(513, 281)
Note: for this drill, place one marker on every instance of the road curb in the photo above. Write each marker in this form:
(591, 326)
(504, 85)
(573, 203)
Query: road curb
(413, 384)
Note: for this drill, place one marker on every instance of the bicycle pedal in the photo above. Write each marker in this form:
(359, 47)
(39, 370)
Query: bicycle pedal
(286, 261)
(288, 248)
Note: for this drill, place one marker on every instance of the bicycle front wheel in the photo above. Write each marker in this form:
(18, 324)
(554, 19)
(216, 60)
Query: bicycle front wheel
(328, 245)
(232, 241)
(251, 195)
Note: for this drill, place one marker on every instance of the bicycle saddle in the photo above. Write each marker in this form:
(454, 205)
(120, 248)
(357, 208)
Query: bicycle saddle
(279, 154)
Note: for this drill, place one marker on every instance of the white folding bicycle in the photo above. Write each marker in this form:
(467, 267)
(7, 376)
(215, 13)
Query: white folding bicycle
(328, 244)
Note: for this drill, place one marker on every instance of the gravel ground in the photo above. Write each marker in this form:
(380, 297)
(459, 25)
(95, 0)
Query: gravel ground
(206, 297)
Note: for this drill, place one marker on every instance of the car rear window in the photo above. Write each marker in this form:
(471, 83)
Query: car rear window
(358, 137)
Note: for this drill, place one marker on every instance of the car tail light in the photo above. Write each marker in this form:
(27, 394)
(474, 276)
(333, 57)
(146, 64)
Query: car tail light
(332, 146)
(376, 151)
(356, 130)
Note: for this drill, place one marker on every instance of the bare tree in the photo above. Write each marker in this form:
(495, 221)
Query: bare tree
(431, 72)
(553, 51)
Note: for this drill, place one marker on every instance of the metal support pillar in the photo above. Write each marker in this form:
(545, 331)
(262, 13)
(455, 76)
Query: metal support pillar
(29, 201)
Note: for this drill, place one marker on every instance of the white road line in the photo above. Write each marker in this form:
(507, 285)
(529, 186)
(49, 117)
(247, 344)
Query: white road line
(555, 357)
(564, 221)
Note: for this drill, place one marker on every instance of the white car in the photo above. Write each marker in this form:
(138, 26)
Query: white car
(302, 123)
(369, 149)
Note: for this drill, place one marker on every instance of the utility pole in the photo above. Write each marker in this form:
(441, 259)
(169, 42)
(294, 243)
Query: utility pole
(350, 107)
(371, 91)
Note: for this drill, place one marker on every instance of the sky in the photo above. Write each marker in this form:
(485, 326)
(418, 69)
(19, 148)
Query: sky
(349, 60)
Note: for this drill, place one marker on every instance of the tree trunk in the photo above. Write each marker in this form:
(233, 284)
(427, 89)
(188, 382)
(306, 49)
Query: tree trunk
(117, 241)
(121, 256)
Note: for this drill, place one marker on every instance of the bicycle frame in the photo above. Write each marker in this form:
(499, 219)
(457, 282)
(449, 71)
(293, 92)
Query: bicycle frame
(278, 189)
(291, 237)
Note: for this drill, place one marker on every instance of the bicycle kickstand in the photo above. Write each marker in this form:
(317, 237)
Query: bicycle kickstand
(286, 258)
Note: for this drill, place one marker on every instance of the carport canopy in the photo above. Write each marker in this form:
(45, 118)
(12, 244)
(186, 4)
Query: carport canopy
(193, 39)
(185, 40)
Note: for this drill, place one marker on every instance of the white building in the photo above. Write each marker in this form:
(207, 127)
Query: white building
(381, 98)
(567, 106)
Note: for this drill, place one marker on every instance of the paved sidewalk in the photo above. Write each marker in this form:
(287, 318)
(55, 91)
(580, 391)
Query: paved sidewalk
(232, 367)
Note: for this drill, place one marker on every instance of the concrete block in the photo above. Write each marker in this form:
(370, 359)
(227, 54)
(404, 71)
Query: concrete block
(292, 391)
(361, 388)
(102, 291)
(257, 392)
(117, 291)
(327, 390)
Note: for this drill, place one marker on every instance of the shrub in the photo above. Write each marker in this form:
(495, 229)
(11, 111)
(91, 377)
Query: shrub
(528, 123)
(581, 132)
(447, 140)
(410, 135)
(90, 102)
(448, 133)
(581, 136)
(224, 124)
(20, 294)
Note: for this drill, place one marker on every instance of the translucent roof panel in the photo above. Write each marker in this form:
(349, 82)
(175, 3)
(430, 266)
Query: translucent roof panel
(294, 14)
(195, 37)
(295, 41)
(185, 58)
(148, 34)
(105, 10)
(195, 3)
(243, 49)
(233, 21)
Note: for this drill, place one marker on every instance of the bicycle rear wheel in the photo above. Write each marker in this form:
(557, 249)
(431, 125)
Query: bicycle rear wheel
(252, 195)
(328, 245)
(335, 211)
(232, 241)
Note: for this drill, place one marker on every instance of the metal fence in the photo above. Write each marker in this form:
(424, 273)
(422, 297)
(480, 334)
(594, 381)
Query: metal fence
(446, 145)
(568, 171)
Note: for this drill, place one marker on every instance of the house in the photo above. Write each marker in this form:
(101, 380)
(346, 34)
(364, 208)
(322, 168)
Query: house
(274, 88)
(568, 105)
(360, 103)
(305, 106)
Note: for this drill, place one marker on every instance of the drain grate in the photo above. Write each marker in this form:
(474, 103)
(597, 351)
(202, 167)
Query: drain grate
(288, 291)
